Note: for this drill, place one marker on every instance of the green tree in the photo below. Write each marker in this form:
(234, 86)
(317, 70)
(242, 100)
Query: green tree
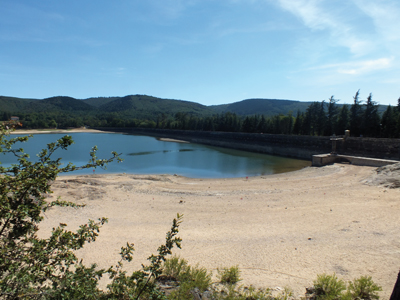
(181, 120)
(356, 112)
(371, 119)
(333, 111)
(298, 123)
(397, 114)
(262, 125)
(37, 268)
(250, 124)
(6, 116)
(343, 121)
(321, 119)
(388, 123)
(315, 119)
(52, 123)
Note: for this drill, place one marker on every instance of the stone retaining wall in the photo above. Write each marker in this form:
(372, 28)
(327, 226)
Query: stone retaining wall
(303, 147)
(371, 147)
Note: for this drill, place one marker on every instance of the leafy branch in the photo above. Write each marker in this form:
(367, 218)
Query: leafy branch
(48, 268)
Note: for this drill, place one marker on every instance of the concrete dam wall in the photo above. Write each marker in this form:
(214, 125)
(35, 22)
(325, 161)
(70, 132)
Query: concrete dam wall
(303, 147)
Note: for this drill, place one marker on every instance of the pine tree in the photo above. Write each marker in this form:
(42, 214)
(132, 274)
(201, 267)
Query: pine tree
(333, 111)
(343, 121)
(298, 123)
(388, 123)
(356, 112)
(321, 119)
(371, 119)
(262, 125)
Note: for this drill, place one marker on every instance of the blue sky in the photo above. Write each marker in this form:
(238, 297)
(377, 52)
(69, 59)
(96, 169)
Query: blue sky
(205, 51)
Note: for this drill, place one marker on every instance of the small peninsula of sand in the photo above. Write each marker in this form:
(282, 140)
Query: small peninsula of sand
(281, 230)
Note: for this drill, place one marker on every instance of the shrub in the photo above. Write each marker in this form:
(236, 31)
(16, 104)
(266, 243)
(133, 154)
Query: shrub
(175, 266)
(328, 287)
(233, 292)
(363, 288)
(285, 294)
(190, 278)
(36, 268)
(229, 275)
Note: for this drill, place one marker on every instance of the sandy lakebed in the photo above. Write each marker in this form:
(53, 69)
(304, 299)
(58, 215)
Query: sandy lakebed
(281, 230)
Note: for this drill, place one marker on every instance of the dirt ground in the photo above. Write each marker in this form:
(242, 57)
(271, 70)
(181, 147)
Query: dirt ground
(281, 230)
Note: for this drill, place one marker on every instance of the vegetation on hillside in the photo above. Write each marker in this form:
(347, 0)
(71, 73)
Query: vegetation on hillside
(362, 117)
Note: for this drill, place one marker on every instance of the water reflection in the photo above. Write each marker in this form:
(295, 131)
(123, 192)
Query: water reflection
(147, 155)
(154, 152)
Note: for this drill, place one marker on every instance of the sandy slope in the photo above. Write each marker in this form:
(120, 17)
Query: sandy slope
(282, 230)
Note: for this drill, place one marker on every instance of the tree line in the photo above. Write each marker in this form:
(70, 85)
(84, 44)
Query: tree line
(324, 118)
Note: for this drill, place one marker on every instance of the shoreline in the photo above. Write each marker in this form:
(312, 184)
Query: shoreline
(75, 130)
(46, 131)
(281, 230)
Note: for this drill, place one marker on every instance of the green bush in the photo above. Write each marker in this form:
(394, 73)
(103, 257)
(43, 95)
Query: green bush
(36, 268)
(363, 288)
(175, 267)
(189, 278)
(233, 292)
(328, 287)
(229, 275)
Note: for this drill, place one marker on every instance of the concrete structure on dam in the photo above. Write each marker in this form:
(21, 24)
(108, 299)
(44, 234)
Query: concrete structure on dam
(355, 150)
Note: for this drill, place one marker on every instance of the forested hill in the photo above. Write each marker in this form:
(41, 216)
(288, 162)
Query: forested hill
(143, 106)
(266, 107)
(152, 106)
(363, 117)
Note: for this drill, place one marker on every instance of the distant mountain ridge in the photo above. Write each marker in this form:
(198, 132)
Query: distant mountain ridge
(268, 107)
(143, 106)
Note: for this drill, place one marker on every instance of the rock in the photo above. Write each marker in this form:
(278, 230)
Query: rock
(387, 176)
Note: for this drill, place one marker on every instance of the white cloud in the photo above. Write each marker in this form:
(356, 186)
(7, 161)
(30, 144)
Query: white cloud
(366, 66)
(316, 15)
(226, 30)
(309, 12)
(359, 67)
(385, 15)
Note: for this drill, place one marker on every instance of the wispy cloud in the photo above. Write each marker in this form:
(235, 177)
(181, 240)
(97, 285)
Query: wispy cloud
(225, 30)
(366, 66)
(385, 15)
(310, 12)
(359, 67)
(316, 15)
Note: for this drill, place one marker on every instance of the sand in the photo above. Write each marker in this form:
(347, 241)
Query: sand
(46, 131)
(281, 230)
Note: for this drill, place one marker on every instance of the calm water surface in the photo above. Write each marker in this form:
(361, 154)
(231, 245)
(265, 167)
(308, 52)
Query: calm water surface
(147, 155)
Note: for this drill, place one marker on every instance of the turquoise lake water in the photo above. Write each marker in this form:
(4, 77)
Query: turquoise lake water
(148, 155)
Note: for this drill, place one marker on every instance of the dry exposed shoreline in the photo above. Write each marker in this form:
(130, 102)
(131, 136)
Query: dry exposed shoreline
(45, 131)
(282, 230)
(74, 130)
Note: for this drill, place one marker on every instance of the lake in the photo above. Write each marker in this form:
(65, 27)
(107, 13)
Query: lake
(148, 155)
